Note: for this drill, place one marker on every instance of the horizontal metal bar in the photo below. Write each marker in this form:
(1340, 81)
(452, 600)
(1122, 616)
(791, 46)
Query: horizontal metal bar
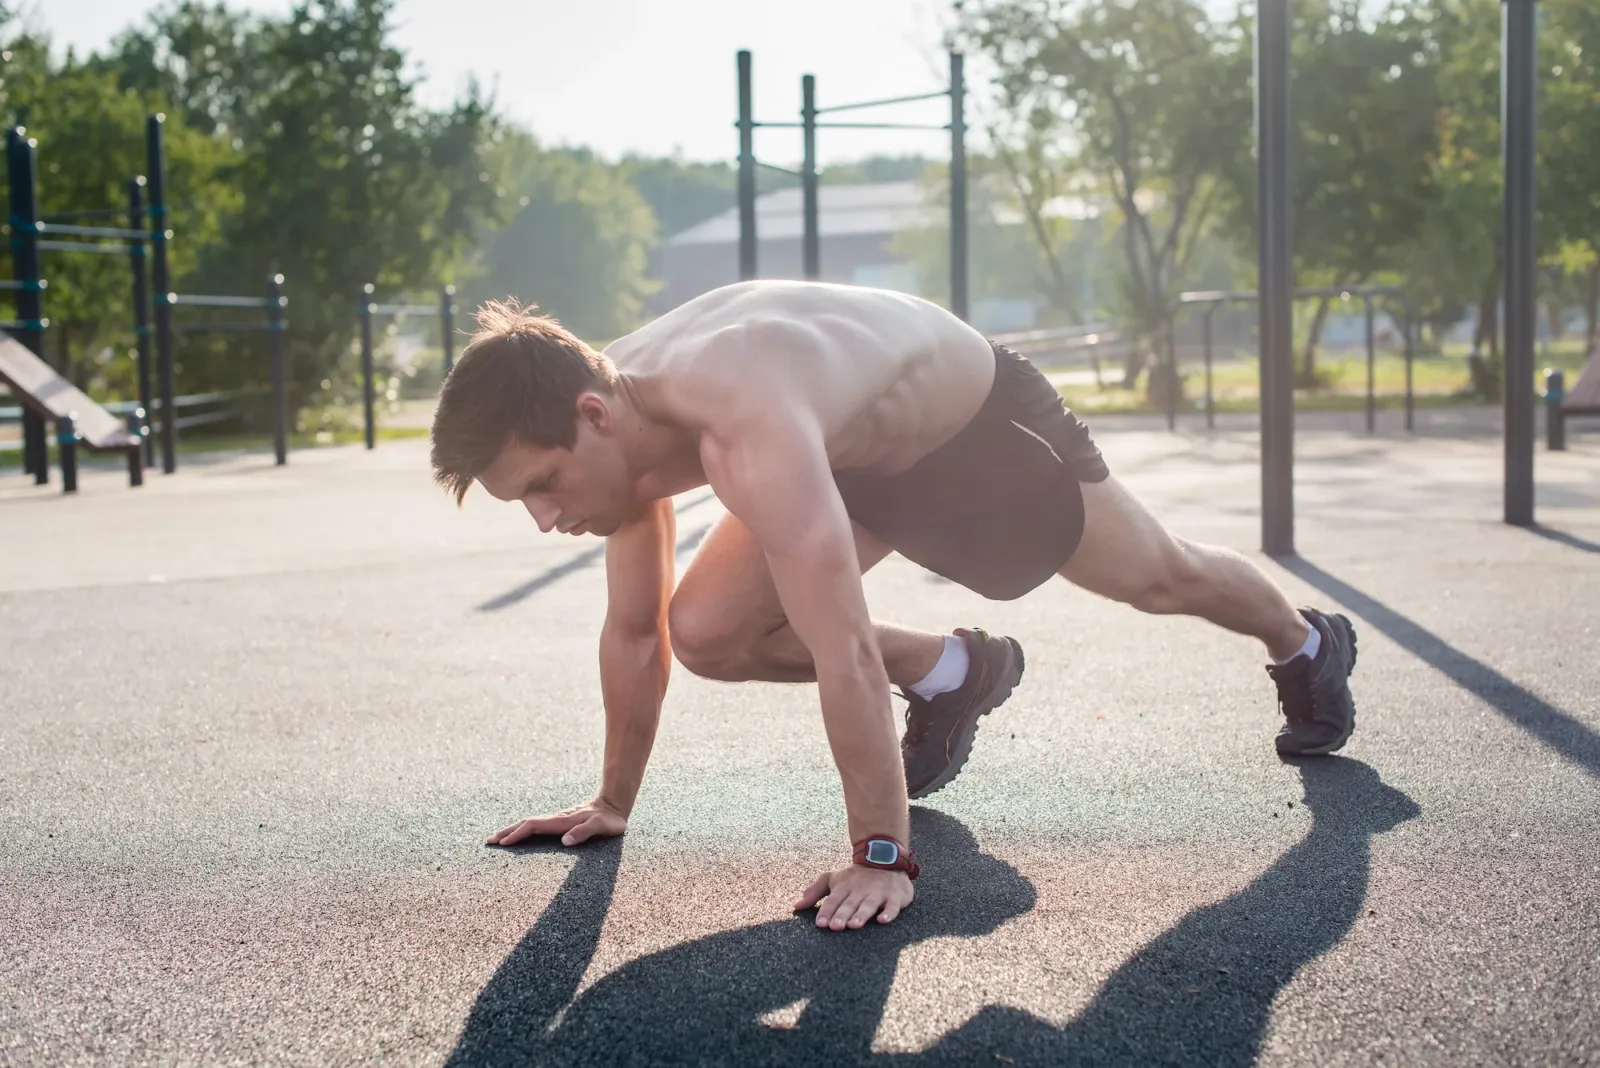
(882, 103)
(192, 400)
(1215, 296)
(222, 328)
(1218, 296)
(780, 170)
(85, 246)
(33, 286)
(189, 400)
(882, 126)
(24, 324)
(403, 309)
(201, 300)
(187, 421)
(86, 213)
(92, 231)
(857, 125)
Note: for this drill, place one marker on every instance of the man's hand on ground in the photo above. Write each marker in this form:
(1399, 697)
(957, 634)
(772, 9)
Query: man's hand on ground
(856, 893)
(574, 825)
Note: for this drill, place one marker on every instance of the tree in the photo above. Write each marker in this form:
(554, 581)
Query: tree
(1365, 101)
(1147, 98)
(90, 134)
(343, 178)
(1569, 133)
(578, 246)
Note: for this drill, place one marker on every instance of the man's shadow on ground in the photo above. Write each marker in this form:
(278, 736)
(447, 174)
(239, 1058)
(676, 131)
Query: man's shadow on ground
(1199, 993)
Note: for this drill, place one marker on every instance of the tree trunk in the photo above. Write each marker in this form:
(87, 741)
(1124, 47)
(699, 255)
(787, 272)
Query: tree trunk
(1554, 318)
(1591, 310)
(1487, 328)
(1308, 366)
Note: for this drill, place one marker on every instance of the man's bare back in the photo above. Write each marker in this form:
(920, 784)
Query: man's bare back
(886, 377)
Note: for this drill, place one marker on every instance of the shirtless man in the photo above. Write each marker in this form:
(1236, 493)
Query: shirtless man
(837, 424)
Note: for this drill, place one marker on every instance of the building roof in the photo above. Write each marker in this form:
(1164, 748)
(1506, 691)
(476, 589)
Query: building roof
(878, 208)
(874, 208)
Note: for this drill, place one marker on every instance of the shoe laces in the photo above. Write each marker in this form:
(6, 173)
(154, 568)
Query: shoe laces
(916, 726)
(1296, 699)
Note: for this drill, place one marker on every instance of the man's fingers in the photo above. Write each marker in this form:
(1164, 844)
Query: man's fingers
(840, 911)
(813, 893)
(584, 831)
(525, 829)
(870, 904)
(890, 911)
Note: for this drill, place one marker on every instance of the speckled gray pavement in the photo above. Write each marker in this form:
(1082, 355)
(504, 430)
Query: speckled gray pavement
(258, 723)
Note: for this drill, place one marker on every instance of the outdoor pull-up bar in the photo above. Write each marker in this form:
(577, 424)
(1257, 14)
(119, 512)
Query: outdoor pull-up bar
(810, 237)
(445, 310)
(1214, 299)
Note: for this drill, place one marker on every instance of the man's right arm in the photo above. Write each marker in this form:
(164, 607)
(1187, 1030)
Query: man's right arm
(635, 650)
(635, 663)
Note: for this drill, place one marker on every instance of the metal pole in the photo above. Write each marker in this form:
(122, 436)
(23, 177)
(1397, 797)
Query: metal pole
(20, 165)
(1372, 357)
(1555, 390)
(959, 271)
(141, 313)
(1172, 375)
(1276, 271)
(280, 369)
(447, 325)
(367, 399)
(1518, 95)
(1211, 404)
(1410, 329)
(747, 174)
(811, 242)
(155, 171)
(67, 443)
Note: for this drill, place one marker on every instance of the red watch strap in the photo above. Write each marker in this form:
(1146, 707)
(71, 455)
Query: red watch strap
(906, 860)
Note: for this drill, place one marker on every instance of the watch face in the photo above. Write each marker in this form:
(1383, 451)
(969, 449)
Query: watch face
(881, 852)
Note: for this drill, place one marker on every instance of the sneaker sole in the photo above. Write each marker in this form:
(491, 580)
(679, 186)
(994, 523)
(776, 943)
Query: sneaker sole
(1338, 743)
(967, 733)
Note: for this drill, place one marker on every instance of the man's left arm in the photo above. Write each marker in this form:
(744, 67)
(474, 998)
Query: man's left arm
(773, 474)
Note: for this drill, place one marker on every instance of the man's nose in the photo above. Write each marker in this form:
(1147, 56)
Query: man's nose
(544, 513)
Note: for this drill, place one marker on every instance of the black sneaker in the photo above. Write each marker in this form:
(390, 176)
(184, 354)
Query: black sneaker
(1314, 694)
(939, 732)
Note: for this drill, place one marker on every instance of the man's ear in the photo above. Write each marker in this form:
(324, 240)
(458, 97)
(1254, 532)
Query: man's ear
(594, 412)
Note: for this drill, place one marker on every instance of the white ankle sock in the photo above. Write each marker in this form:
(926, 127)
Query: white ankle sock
(949, 673)
(1310, 648)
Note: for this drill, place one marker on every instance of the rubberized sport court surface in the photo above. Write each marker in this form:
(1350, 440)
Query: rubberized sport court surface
(258, 723)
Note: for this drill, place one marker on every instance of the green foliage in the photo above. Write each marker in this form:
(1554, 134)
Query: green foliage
(578, 246)
(295, 145)
(1143, 99)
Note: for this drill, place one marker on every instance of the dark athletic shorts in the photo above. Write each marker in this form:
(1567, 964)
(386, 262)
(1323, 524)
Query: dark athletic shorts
(997, 508)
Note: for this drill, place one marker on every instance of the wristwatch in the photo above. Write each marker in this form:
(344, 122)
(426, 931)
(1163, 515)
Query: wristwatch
(887, 854)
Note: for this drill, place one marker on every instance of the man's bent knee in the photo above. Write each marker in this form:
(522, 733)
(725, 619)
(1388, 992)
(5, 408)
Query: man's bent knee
(709, 644)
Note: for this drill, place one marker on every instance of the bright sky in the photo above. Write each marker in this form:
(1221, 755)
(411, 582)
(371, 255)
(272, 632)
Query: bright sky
(652, 76)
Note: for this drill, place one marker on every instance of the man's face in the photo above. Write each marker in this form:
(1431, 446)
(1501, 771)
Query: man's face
(583, 490)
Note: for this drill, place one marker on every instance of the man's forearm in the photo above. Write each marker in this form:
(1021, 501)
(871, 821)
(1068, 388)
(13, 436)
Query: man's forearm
(633, 681)
(859, 720)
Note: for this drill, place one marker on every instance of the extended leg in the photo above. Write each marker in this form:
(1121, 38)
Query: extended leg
(1128, 556)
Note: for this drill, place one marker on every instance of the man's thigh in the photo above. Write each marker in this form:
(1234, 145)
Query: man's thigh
(728, 588)
(1125, 552)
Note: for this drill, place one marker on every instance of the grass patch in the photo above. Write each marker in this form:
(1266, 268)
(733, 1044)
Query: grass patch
(1438, 380)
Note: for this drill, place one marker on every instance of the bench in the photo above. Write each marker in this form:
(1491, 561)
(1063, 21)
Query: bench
(77, 417)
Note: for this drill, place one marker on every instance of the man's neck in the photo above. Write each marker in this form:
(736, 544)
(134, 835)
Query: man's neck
(663, 457)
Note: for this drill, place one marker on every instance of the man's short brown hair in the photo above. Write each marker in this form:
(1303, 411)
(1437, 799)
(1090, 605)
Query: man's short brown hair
(518, 380)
